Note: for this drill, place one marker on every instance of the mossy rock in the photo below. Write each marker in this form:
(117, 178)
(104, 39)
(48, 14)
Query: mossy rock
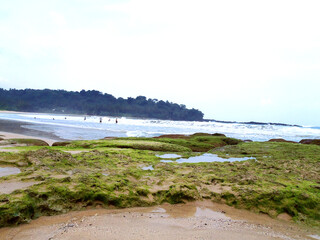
(173, 136)
(28, 141)
(310, 141)
(280, 140)
(60, 144)
(218, 135)
(283, 177)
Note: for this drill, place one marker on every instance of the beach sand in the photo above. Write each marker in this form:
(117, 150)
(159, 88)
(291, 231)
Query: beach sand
(194, 220)
(14, 129)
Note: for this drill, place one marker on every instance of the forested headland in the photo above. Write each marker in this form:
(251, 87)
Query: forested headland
(93, 102)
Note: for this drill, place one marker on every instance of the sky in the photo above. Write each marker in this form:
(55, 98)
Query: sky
(233, 60)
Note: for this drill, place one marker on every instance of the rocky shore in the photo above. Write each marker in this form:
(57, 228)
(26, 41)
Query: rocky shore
(275, 183)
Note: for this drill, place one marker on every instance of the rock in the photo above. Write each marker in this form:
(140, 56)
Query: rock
(26, 142)
(61, 144)
(310, 141)
(218, 135)
(36, 157)
(280, 140)
(172, 136)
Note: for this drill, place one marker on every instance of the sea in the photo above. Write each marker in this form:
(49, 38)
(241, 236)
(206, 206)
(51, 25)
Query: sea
(81, 127)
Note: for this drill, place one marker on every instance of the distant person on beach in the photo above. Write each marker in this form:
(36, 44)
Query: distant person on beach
(116, 120)
(85, 118)
(101, 120)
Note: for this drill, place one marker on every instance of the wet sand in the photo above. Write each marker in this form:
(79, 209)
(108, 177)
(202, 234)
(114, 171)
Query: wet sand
(195, 220)
(14, 129)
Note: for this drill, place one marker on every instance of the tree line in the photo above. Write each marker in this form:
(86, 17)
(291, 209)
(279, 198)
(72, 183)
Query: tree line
(93, 102)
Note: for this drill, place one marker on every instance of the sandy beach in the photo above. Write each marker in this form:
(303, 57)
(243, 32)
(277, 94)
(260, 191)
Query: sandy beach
(194, 220)
(14, 129)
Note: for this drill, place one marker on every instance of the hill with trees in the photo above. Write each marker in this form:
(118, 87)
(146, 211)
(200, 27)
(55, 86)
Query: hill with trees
(93, 102)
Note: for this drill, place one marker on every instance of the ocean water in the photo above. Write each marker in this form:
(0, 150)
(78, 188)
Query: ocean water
(74, 127)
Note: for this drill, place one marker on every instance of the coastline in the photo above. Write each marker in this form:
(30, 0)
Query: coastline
(81, 127)
(158, 222)
(14, 129)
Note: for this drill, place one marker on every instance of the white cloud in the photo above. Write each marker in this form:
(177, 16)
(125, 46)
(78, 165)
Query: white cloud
(266, 101)
(3, 80)
(57, 18)
(204, 53)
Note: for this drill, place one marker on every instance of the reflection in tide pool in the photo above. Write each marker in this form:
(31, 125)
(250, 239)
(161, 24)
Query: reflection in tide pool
(5, 171)
(148, 168)
(207, 157)
(169, 156)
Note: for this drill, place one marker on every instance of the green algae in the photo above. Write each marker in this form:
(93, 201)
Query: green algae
(283, 177)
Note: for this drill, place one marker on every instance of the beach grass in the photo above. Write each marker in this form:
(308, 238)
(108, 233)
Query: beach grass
(283, 178)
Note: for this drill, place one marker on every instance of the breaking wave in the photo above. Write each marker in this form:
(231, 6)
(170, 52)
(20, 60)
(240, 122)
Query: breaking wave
(74, 127)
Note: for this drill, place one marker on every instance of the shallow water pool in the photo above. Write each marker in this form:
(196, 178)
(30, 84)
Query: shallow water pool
(6, 171)
(169, 155)
(207, 157)
(148, 168)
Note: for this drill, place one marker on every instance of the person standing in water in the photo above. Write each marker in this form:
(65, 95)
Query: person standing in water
(100, 119)
(116, 120)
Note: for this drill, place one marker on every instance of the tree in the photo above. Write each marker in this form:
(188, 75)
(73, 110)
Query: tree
(94, 103)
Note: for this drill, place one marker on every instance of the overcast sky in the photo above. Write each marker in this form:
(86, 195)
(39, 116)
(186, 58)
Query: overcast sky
(233, 60)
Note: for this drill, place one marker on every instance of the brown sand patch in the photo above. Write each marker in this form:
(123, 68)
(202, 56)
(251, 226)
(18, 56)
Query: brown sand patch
(285, 217)
(163, 186)
(76, 151)
(156, 188)
(217, 188)
(10, 186)
(185, 171)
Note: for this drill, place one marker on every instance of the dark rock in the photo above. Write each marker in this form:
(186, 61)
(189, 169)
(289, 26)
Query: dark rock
(218, 135)
(310, 141)
(280, 140)
(248, 140)
(200, 134)
(60, 144)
